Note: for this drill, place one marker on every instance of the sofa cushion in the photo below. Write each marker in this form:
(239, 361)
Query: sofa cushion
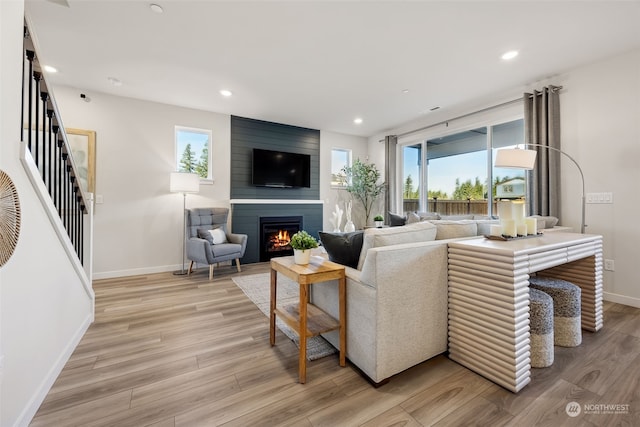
(396, 220)
(223, 249)
(376, 237)
(343, 248)
(455, 229)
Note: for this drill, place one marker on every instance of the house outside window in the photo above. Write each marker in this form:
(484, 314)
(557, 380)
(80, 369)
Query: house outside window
(458, 176)
(340, 158)
(193, 151)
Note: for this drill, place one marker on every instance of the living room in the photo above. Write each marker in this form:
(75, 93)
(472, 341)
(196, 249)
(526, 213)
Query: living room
(138, 223)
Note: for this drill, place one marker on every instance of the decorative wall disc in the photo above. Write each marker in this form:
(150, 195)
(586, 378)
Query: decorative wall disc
(9, 218)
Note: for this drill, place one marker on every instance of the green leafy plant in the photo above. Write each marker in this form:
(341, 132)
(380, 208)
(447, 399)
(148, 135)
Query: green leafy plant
(303, 240)
(378, 218)
(363, 184)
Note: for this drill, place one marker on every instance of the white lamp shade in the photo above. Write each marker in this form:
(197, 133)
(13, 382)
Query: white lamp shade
(184, 182)
(515, 158)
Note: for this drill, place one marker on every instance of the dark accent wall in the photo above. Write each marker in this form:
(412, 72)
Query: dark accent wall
(247, 134)
(246, 220)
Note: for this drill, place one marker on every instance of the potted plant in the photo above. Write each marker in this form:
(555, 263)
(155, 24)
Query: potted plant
(378, 220)
(363, 184)
(302, 243)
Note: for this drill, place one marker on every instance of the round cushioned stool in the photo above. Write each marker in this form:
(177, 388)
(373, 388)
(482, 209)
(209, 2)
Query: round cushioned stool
(541, 328)
(566, 309)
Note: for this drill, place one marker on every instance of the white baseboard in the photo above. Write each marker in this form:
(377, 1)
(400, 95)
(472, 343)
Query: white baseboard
(136, 271)
(622, 299)
(41, 393)
(146, 270)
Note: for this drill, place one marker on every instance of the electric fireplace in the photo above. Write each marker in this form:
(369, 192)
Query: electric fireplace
(275, 233)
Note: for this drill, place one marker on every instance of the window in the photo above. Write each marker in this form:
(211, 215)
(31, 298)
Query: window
(193, 151)
(411, 177)
(459, 177)
(340, 158)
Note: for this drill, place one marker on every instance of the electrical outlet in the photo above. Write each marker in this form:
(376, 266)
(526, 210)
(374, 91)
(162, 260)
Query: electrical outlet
(609, 265)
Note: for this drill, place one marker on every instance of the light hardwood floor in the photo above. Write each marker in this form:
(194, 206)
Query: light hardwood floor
(170, 350)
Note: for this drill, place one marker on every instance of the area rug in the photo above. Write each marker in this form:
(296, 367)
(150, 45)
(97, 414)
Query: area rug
(257, 288)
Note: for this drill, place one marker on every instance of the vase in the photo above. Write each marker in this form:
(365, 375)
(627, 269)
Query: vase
(349, 227)
(301, 256)
(379, 224)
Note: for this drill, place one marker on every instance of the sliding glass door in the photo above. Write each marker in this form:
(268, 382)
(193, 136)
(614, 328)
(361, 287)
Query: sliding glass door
(453, 174)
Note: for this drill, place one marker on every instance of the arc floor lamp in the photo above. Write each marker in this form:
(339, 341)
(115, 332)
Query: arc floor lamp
(517, 158)
(184, 182)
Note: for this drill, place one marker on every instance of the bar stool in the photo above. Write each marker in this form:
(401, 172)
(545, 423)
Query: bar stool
(566, 309)
(541, 328)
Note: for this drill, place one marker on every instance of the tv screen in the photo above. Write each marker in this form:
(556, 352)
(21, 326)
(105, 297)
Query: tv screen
(281, 169)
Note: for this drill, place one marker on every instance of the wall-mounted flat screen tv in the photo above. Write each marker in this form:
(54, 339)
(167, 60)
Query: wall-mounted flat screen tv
(281, 169)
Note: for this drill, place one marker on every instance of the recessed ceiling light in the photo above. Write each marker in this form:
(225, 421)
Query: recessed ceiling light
(156, 8)
(509, 55)
(405, 90)
(114, 81)
(50, 69)
(226, 93)
(357, 120)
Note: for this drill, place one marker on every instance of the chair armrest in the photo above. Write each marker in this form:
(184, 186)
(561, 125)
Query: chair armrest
(199, 250)
(239, 239)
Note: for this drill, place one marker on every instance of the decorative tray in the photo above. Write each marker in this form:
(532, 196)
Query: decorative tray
(507, 238)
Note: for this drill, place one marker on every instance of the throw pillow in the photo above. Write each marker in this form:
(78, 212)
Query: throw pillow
(427, 216)
(218, 236)
(343, 248)
(396, 220)
(203, 233)
(412, 218)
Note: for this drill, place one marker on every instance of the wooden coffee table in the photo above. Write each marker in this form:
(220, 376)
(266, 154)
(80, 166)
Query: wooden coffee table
(303, 317)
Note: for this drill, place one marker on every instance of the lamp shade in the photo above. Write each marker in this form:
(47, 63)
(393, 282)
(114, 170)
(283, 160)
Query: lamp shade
(184, 182)
(515, 158)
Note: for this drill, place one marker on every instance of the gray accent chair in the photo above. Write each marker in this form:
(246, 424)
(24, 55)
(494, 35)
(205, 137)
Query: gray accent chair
(202, 251)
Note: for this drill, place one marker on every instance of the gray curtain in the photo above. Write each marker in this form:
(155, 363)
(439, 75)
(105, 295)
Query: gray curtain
(390, 144)
(542, 126)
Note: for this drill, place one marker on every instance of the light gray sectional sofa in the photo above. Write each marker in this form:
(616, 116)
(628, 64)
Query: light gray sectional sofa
(397, 298)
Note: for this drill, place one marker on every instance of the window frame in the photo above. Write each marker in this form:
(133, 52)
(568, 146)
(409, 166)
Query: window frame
(485, 118)
(349, 153)
(178, 153)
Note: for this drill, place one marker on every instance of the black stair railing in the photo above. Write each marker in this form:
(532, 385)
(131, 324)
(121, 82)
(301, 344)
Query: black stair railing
(42, 130)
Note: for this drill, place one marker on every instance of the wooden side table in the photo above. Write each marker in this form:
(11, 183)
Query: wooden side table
(305, 318)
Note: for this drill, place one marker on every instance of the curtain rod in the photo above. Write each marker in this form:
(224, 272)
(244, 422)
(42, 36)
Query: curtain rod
(553, 88)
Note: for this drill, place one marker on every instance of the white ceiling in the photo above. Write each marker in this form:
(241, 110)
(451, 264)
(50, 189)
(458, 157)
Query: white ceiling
(320, 64)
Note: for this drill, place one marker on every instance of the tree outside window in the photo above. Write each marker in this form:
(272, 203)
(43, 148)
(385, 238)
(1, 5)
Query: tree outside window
(192, 151)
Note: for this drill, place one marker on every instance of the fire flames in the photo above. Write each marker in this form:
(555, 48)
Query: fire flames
(279, 240)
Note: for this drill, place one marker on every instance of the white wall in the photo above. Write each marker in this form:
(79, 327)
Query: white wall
(600, 106)
(333, 196)
(44, 308)
(138, 227)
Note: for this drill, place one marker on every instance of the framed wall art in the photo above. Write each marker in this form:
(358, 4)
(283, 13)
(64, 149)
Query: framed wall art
(83, 148)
